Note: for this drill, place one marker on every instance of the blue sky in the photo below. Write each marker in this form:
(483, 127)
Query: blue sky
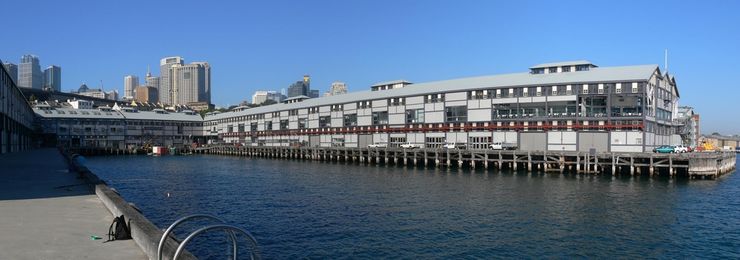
(270, 44)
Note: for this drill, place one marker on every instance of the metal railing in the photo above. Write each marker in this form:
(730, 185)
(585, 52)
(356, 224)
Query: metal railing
(230, 230)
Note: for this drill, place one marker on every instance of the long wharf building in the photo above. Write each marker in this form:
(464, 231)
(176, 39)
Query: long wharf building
(565, 106)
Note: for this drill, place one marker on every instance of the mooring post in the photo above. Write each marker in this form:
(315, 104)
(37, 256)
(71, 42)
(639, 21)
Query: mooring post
(651, 169)
(578, 162)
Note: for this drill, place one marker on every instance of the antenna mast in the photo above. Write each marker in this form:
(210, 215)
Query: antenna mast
(666, 61)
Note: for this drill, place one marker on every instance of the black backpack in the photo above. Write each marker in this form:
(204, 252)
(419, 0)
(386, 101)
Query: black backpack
(119, 229)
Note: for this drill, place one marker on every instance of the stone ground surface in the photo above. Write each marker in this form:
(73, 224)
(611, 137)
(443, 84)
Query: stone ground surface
(47, 213)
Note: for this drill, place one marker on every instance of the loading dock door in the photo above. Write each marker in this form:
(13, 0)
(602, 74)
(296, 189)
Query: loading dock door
(598, 141)
(364, 140)
(314, 141)
(533, 141)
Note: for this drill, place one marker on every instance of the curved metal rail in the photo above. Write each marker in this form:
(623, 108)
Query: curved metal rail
(255, 253)
(166, 233)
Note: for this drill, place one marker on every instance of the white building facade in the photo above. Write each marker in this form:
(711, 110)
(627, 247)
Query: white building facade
(565, 106)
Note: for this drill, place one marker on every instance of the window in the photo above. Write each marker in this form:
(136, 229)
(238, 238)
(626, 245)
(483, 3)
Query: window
(434, 142)
(337, 107)
(581, 67)
(240, 128)
(479, 142)
(252, 127)
(585, 89)
(268, 125)
(456, 114)
(284, 124)
(302, 123)
(186, 75)
(477, 94)
(350, 120)
(553, 69)
(397, 101)
(434, 98)
(566, 68)
(325, 121)
(538, 71)
(337, 142)
(363, 104)
(554, 91)
(618, 90)
(313, 110)
(396, 141)
(293, 112)
(414, 116)
(380, 118)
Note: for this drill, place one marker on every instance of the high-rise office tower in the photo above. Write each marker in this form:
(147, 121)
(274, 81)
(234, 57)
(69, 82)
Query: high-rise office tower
(12, 70)
(337, 88)
(151, 81)
(130, 82)
(300, 88)
(53, 78)
(165, 81)
(190, 83)
(29, 72)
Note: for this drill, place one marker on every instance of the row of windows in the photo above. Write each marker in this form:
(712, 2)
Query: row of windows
(624, 87)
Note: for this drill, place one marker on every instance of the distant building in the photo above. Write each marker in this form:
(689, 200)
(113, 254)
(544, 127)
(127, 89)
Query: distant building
(722, 142)
(130, 83)
(80, 104)
(337, 88)
(12, 70)
(96, 93)
(146, 94)
(152, 81)
(200, 106)
(53, 78)
(112, 95)
(261, 96)
(689, 125)
(300, 88)
(180, 84)
(190, 83)
(29, 72)
(314, 93)
(165, 83)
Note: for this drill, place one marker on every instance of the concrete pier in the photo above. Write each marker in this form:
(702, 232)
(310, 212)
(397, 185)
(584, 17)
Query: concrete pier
(46, 212)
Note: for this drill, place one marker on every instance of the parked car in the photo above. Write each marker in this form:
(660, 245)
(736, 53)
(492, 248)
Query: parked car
(680, 149)
(664, 149)
(410, 146)
(454, 146)
(502, 146)
(377, 145)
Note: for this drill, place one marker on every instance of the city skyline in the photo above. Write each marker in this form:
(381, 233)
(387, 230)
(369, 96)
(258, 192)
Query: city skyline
(438, 40)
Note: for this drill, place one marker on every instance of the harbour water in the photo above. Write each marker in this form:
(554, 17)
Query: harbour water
(309, 209)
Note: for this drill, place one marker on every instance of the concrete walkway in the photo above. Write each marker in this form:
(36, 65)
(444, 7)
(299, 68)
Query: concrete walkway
(47, 213)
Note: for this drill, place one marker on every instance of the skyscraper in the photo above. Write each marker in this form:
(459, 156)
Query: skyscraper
(53, 78)
(12, 70)
(151, 81)
(337, 88)
(300, 88)
(130, 82)
(29, 72)
(165, 81)
(190, 83)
